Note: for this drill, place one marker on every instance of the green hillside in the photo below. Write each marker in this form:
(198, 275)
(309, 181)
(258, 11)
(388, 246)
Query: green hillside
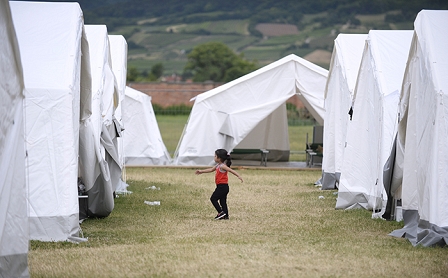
(170, 44)
(263, 30)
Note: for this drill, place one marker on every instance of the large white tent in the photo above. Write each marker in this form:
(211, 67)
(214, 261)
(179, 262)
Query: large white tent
(420, 173)
(143, 144)
(344, 66)
(250, 112)
(50, 37)
(119, 53)
(94, 146)
(14, 233)
(372, 130)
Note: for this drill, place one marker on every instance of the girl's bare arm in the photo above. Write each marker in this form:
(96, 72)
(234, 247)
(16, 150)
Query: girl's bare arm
(208, 170)
(228, 169)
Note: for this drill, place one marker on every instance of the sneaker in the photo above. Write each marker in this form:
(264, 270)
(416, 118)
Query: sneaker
(225, 218)
(220, 215)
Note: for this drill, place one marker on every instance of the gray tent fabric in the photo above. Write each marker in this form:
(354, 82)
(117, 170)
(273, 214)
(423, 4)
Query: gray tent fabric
(100, 196)
(409, 230)
(330, 180)
(101, 199)
(421, 232)
(387, 182)
(100, 171)
(110, 142)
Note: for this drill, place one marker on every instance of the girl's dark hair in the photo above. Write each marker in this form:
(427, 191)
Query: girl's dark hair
(224, 156)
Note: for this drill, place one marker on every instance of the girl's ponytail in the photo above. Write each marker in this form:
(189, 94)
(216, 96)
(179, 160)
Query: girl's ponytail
(228, 160)
(224, 156)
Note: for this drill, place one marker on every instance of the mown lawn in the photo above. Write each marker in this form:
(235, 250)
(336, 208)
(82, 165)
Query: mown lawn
(280, 225)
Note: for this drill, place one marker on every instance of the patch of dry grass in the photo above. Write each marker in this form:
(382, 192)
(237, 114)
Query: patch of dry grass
(279, 227)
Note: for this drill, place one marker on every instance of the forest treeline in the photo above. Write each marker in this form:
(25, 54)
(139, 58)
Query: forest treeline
(116, 13)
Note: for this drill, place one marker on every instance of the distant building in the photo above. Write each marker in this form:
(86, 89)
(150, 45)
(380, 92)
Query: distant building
(174, 78)
(174, 92)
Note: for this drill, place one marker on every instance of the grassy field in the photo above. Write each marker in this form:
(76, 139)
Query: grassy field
(280, 225)
(171, 128)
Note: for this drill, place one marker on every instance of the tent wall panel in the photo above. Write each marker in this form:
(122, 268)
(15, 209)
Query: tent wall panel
(371, 132)
(14, 227)
(420, 176)
(50, 37)
(339, 91)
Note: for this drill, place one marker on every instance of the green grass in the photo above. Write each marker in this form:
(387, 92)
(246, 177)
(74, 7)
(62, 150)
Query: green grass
(171, 128)
(161, 40)
(170, 66)
(262, 54)
(281, 40)
(279, 227)
(307, 18)
(219, 27)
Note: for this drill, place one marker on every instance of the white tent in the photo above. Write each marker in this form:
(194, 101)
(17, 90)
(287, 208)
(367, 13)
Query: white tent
(143, 144)
(344, 66)
(421, 163)
(94, 146)
(119, 53)
(14, 233)
(372, 130)
(250, 112)
(119, 56)
(50, 37)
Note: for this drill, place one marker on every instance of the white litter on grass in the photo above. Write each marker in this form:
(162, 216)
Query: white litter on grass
(321, 197)
(154, 203)
(153, 188)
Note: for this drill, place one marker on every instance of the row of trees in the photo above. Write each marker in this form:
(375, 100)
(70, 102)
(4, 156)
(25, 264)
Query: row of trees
(212, 61)
(154, 74)
(216, 62)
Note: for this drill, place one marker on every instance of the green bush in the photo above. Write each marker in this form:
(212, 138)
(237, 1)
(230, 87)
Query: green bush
(181, 109)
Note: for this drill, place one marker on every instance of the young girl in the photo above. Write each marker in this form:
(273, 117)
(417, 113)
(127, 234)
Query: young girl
(221, 180)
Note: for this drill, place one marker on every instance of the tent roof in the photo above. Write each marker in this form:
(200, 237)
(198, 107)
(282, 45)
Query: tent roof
(251, 90)
(387, 48)
(429, 25)
(48, 28)
(347, 54)
(119, 54)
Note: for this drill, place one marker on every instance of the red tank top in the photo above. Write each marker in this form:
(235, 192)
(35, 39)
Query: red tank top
(221, 176)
